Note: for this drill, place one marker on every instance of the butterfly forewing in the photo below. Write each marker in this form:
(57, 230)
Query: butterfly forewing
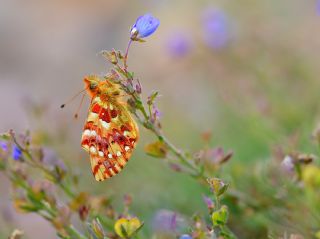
(110, 135)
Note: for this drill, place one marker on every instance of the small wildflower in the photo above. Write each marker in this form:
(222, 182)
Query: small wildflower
(83, 212)
(156, 113)
(16, 153)
(145, 25)
(218, 187)
(216, 32)
(165, 221)
(179, 44)
(185, 236)
(125, 228)
(3, 146)
(218, 156)
(138, 87)
(288, 164)
(318, 7)
(209, 203)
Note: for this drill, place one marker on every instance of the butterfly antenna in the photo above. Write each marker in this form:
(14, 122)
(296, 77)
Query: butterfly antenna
(71, 99)
(79, 107)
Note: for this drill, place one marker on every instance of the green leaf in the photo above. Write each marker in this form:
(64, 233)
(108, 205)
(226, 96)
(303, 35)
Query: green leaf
(157, 149)
(220, 217)
(5, 136)
(98, 229)
(152, 97)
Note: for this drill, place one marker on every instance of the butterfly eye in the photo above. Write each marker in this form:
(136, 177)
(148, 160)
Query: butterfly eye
(93, 86)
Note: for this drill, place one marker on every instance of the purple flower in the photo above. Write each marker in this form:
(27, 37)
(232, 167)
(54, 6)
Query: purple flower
(208, 202)
(3, 146)
(51, 159)
(216, 31)
(288, 164)
(165, 221)
(16, 153)
(145, 25)
(156, 112)
(185, 236)
(179, 44)
(318, 7)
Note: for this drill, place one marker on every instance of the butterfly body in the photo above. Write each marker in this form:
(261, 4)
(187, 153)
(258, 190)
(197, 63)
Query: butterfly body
(110, 133)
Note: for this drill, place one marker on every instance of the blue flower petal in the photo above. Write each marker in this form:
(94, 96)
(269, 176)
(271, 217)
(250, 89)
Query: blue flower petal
(216, 28)
(145, 25)
(16, 153)
(185, 236)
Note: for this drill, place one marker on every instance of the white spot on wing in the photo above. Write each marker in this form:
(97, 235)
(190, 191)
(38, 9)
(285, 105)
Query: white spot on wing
(118, 153)
(126, 148)
(93, 150)
(93, 133)
(101, 154)
(105, 124)
(86, 132)
(110, 156)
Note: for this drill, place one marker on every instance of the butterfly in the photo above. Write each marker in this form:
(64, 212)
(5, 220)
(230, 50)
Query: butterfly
(110, 134)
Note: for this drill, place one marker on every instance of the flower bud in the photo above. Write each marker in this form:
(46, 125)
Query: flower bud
(218, 186)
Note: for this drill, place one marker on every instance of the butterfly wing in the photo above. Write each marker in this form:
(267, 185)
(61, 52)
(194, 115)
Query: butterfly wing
(110, 135)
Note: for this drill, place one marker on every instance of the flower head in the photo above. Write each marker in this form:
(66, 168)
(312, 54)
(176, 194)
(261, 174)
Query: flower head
(16, 153)
(185, 236)
(216, 32)
(3, 146)
(165, 221)
(145, 25)
(179, 44)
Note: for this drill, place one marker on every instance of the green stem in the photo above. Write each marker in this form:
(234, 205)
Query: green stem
(74, 233)
(36, 164)
(152, 127)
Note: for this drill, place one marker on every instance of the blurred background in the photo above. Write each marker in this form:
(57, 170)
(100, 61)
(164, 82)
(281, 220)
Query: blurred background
(247, 71)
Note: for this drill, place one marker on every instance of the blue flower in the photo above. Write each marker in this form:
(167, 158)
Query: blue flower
(185, 236)
(145, 25)
(16, 153)
(216, 28)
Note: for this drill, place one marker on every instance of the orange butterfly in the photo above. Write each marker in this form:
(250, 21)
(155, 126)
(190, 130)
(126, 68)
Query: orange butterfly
(110, 134)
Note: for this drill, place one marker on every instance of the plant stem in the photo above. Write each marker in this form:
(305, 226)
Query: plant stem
(126, 55)
(148, 124)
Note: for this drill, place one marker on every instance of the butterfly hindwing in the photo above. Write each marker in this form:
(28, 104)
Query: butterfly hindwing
(110, 135)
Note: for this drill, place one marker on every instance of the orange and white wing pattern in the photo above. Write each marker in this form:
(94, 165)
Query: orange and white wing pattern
(110, 135)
